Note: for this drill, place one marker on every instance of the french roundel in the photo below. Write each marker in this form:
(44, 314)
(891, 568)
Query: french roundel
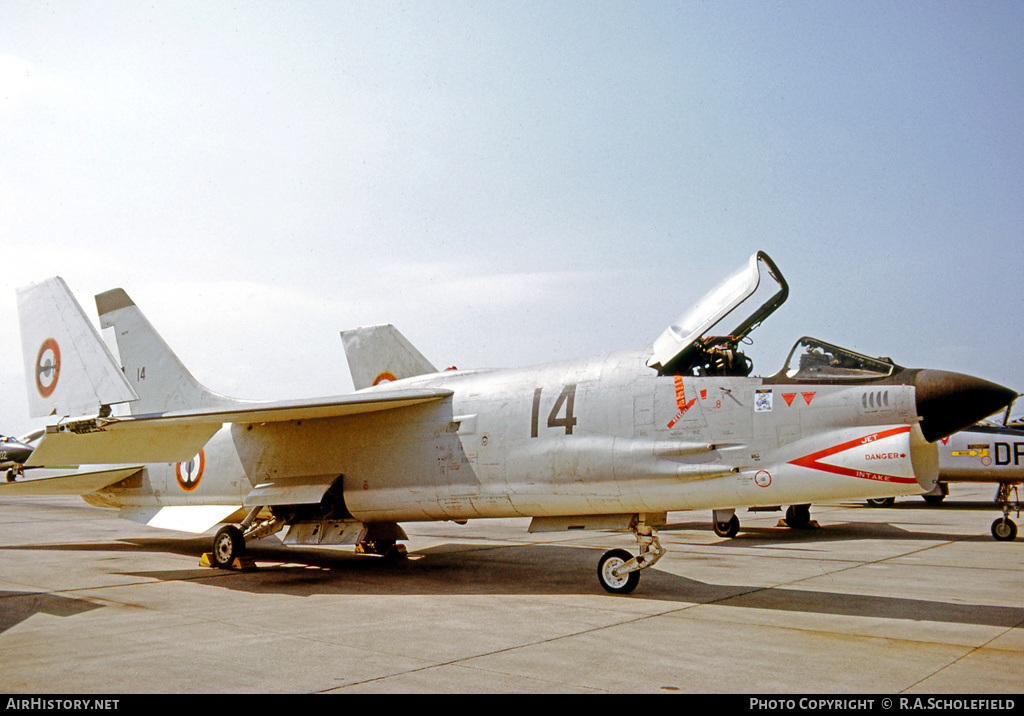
(47, 367)
(190, 473)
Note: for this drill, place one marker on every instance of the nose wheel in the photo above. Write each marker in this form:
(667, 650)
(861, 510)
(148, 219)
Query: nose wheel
(619, 571)
(611, 575)
(1004, 529)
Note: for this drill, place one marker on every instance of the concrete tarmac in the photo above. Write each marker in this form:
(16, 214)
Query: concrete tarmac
(909, 599)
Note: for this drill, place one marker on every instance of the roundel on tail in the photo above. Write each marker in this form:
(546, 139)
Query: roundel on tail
(47, 367)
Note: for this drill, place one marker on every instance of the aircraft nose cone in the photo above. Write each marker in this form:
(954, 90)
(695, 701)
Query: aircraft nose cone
(948, 402)
(15, 451)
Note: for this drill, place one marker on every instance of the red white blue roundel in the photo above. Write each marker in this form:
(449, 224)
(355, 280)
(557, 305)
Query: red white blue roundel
(190, 473)
(47, 367)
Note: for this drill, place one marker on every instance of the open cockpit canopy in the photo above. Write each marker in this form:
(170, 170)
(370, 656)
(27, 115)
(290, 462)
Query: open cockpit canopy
(704, 340)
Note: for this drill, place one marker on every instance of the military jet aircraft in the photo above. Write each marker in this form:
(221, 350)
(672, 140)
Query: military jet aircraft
(13, 454)
(611, 442)
(990, 451)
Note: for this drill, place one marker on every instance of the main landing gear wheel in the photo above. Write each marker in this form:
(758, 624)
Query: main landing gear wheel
(798, 516)
(882, 502)
(227, 545)
(729, 528)
(612, 560)
(1004, 529)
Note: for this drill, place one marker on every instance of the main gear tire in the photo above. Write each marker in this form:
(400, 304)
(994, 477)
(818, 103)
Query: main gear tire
(729, 528)
(798, 516)
(227, 545)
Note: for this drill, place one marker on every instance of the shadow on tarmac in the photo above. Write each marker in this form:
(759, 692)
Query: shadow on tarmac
(16, 607)
(459, 568)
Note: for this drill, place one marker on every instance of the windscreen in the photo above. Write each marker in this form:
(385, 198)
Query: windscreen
(812, 360)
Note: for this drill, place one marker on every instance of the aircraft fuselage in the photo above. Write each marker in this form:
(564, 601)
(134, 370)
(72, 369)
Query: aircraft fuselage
(603, 435)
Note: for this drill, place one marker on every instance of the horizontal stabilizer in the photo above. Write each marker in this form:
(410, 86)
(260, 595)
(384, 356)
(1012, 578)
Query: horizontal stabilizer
(119, 442)
(177, 436)
(194, 519)
(76, 483)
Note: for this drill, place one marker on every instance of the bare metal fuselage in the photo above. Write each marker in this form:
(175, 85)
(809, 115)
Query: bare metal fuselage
(597, 436)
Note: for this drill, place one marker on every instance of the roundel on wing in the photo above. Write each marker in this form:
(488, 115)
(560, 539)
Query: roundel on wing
(190, 473)
(47, 367)
(385, 377)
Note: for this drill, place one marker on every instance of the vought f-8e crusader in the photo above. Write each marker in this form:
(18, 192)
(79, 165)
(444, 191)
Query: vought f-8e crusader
(611, 442)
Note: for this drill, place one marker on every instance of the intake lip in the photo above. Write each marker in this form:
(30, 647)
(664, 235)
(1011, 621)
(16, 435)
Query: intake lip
(948, 402)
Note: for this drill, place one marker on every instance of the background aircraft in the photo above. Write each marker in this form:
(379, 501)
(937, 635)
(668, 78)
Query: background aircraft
(990, 451)
(611, 442)
(13, 454)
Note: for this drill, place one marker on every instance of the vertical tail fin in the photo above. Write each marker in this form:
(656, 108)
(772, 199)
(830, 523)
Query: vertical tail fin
(380, 353)
(156, 374)
(68, 368)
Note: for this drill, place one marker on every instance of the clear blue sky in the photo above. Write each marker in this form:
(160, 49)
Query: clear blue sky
(510, 183)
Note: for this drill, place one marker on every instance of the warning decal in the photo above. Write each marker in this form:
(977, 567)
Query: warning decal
(882, 456)
(681, 401)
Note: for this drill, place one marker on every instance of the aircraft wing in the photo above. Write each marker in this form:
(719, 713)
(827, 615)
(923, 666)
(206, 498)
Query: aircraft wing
(177, 436)
(76, 483)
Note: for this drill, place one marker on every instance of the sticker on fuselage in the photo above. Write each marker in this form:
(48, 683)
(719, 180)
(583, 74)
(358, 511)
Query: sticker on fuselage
(763, 401)
(47, 367)
(975, 451)
(190, 473)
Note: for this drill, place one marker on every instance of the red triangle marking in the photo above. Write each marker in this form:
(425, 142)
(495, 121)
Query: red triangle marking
(788, 397)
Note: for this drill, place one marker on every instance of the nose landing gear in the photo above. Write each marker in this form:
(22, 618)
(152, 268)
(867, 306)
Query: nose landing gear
(1004, 529)
(619, 572)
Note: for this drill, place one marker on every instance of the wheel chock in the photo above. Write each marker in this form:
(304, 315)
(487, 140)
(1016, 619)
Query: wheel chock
(812, 525)
(243, 563)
